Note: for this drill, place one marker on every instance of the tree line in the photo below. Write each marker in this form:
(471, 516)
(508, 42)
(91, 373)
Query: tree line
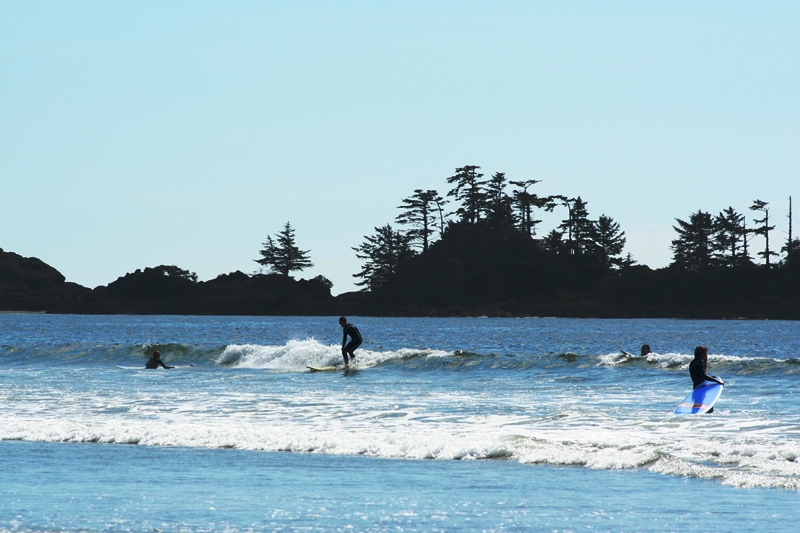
(479, 207)
(476, 249)
(706, 241)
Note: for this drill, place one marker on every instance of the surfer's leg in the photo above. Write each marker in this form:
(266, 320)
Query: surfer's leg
(351, 348)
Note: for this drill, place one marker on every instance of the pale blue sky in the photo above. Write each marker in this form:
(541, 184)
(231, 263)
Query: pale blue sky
(134, 134)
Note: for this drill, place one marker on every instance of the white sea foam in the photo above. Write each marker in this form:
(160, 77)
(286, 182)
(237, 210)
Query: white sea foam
(296, 355)
(324, 422)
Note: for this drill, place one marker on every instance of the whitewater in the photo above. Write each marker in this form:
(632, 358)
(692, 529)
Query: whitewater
(518, 409)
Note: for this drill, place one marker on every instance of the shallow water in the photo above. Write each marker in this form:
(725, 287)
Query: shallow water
(133, 488)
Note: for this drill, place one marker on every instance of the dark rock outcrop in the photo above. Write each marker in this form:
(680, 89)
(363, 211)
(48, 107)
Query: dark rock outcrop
(29, 284)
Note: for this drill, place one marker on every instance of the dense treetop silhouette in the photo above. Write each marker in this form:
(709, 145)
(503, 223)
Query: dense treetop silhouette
(473, 251)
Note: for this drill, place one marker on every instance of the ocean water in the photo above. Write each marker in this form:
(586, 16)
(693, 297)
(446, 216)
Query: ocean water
(483, 424)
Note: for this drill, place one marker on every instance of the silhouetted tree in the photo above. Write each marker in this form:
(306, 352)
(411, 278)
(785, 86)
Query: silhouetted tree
(173, 271)
(283, 256)
(498, 203)
(628, 261)
(609, 241)
(790, 248)
(419, 211)
(322, 280)
(578, 226)
(730, 237)
(383, 253)
(792, 251)
(566, 224)
(763, 229)
(470, 190)
(554, 243)
(692, 250)
(525, 203)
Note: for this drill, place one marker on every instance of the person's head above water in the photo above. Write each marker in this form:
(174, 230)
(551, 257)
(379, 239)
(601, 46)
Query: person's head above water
(342, 321)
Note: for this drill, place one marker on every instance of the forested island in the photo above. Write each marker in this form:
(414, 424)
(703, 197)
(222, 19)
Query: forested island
(473, 252)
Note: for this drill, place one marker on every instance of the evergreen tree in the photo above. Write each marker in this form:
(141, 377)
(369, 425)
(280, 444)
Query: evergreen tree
(609, 241)
(173, 271)
(692, 250)
(554, 243)
(792, 245)
(578, 227)
(383, 253)
(419, 211)
(764, 229)
(283, 256)
(628, 261)
(566, 225)
(525, 202)
(729, 241)
(470, 190)
(498, 203)
(792, 251)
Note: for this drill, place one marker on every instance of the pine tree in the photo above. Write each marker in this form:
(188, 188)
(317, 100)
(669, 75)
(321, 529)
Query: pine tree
(609, 241)
(498, 203)
(730, 236)
(383, 253)
(692, 250)
(526, 202)
(792, 246)
(554, 243)
(420, 211)
(578, 227)
(283, 256)
(470, 190)
(764, 229)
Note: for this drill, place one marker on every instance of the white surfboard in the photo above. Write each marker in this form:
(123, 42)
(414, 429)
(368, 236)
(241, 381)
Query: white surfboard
(323, 368)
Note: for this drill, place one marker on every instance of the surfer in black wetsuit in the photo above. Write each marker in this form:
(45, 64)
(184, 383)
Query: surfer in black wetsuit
(155, 361)
(348, 348)
(697, 369)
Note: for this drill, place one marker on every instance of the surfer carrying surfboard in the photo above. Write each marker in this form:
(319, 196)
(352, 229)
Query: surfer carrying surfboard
(348, 348)
(706, 389)
(697, 369)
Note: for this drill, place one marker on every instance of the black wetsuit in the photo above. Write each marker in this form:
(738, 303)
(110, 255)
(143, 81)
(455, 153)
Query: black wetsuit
(698, 372)
(355, 338)
(155, 363)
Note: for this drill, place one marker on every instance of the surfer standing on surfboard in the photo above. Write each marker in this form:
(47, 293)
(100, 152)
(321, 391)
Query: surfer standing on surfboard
(355, 340)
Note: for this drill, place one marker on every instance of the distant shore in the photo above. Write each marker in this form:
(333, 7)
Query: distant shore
(28, 285)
